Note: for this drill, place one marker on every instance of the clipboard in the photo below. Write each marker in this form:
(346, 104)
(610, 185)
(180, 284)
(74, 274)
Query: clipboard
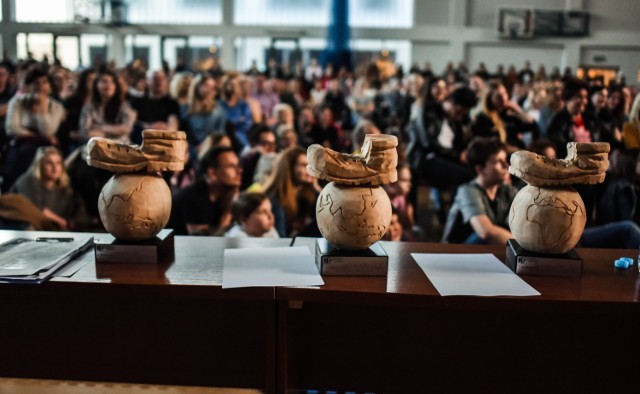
(34, 261)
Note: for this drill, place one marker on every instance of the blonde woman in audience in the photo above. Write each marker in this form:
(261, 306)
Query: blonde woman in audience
(253, 217)
(246, 86)
(179, 87)
(536, 100)
(46, 184)
(283, 115)
(202, 115)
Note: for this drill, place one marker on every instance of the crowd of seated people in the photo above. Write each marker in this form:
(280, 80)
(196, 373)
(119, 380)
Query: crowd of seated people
(248, 132)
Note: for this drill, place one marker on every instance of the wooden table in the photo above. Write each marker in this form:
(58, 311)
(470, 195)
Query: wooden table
(139, 323)
(173, 324)
(396, 334)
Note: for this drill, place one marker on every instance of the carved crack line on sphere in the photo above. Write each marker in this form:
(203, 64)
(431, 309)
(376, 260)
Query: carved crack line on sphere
(326, 202)
(127, 196)
(329, 202)
(128, 219)
(542, 202)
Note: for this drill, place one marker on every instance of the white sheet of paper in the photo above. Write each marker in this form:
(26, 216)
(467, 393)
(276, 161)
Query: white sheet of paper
(281, 266)
(471, 274)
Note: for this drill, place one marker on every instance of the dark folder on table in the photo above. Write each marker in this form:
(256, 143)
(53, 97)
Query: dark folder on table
(27, 260)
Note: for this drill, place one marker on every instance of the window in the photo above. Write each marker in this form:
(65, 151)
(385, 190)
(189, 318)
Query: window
(362, 13)
(38, 45)
(56, 11)
(145, 48)
(93, 49)
(281, 12)
(204, 12)
(67, 51)
(200, 50)
(381, 13)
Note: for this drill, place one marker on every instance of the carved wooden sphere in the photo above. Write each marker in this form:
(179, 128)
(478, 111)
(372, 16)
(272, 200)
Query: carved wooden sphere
(353, 217)
(135, 206)
(547, 219)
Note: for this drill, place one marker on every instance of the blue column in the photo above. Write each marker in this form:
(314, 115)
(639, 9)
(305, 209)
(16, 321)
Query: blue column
(338, 51)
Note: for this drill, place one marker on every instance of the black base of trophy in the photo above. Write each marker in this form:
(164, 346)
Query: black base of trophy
(156, 250)
(524, 262)
(368, 262)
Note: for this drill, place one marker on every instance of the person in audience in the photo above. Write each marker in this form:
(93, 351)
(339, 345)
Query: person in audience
(156, 109)
(336, 100)
(283, 116)
(569, 124)
(363, 127)
(612, 117)
(287, 137)
(204, 207)
(619, 201)
(480, 211)
(17, 212)
(439, 138)
(107, 114)
(596, 112)
(202, 116)
(544, 147)
(308, 128)
(46, 184)
(317, 93)
(254, 105)
(535, 102)
(631, 128)
(628, 98)
(6, 93)
(263, 141)
(136, 82)
(554, 104)
(598, 95)
(179, 87)
(178, 180)
(252, 216)
(293, 193)
(61, 87)
(395, 232)
(287, 94)
(329, 134)
(32, 121)
(504, 118)
(435, 94)
(213, 141)
(236, 112)
(267, 96)
(403, 207)
(69, 132)
(313, 71)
